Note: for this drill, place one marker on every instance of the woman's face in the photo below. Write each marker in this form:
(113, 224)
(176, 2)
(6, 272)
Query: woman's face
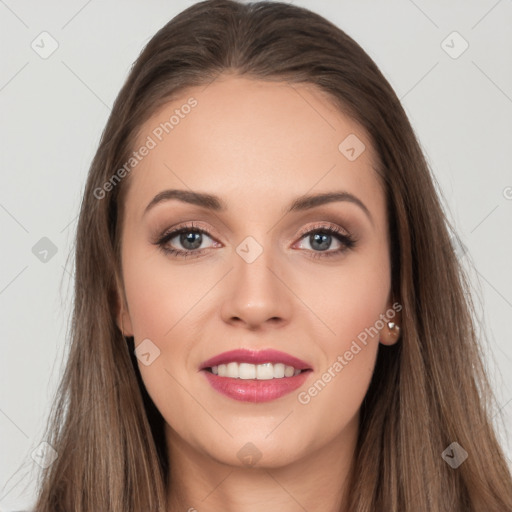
(259, 274)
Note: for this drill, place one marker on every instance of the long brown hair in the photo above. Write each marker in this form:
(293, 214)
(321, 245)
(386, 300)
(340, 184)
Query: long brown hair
(428, 391)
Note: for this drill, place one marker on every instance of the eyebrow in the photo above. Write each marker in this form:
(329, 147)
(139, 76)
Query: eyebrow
(215, 203)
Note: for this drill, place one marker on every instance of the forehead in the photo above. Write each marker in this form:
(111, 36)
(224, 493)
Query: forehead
(251, 139)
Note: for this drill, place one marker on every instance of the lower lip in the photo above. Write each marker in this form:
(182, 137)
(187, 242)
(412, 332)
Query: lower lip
(253, 390)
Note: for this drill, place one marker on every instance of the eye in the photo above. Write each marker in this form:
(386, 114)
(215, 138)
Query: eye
(191, 237)
(320, 239)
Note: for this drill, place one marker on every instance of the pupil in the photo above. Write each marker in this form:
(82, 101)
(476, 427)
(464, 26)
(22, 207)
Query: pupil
(193, 238)
(324, 241)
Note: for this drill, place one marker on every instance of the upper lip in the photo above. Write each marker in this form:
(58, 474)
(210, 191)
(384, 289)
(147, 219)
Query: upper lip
(243, 355)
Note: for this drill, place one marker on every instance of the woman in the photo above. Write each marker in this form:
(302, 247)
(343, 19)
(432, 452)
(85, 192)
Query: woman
(269, 311)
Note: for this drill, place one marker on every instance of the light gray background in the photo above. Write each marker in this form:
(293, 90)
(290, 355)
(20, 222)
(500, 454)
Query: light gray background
(54, 110)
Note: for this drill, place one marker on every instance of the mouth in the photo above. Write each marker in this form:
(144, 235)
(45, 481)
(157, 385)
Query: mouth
(245, 359)
(246, 371)
(255, 376)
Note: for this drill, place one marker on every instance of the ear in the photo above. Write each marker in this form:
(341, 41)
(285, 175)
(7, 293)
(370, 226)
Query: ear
(391, 318)
(120, 308)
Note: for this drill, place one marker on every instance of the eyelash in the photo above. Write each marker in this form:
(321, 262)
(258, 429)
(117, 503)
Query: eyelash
(348, 241)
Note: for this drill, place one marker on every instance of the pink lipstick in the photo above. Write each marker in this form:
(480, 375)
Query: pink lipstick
(246, 375)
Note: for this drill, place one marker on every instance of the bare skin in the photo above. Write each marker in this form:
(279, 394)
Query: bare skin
(257, 146)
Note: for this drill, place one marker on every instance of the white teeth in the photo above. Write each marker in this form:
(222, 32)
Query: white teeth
(278, 370)
(231, 369)
(288, 371)
(242, 371)
(265, 371)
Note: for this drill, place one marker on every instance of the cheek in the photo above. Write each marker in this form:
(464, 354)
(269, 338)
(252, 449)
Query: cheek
(164, 302)
(348, 298)
(332, 400)
(161, 307)
(154, 292)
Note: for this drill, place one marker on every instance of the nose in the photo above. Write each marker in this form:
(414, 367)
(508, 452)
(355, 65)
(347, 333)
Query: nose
(256, 293)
